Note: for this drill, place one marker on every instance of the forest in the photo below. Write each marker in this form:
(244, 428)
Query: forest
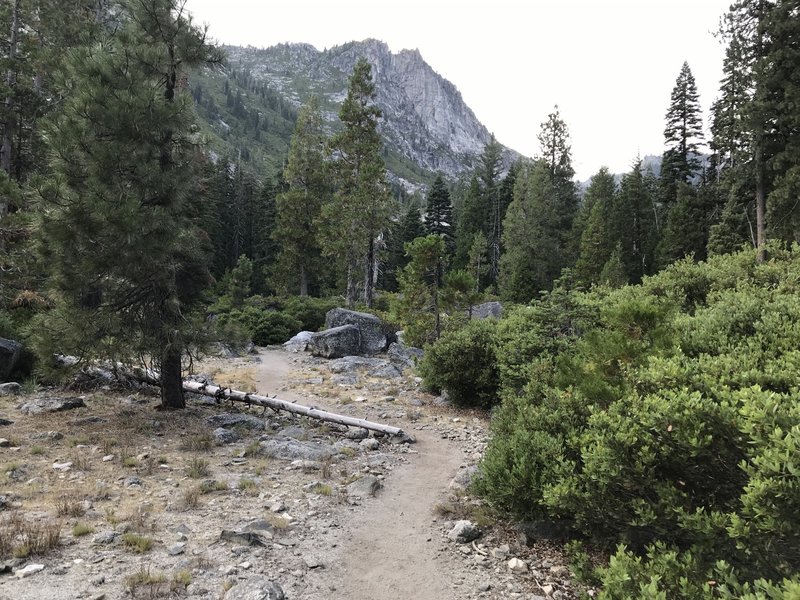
(643, 378)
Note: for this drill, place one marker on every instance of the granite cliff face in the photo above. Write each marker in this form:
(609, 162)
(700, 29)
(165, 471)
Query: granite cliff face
(425, 119)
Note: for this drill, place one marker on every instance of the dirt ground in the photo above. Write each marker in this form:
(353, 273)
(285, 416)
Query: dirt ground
(153, 506)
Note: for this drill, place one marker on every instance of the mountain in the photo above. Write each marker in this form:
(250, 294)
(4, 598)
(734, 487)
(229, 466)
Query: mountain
(426, 125)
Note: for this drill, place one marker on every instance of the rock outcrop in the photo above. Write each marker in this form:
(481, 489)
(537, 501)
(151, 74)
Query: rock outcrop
(370, 328)
(10, 352)
(336, 342)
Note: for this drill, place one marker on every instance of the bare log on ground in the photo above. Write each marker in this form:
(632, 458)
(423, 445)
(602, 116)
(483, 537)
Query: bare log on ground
(277, 404)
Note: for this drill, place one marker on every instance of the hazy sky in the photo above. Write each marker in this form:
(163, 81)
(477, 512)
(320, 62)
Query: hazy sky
(610, 65)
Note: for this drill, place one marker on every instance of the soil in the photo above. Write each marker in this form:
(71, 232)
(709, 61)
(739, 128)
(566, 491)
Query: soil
(156, 475)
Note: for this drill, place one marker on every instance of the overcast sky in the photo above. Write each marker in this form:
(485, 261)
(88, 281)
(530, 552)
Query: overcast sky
(609, 65)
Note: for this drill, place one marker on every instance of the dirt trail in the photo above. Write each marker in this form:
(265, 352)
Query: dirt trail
(388, 548)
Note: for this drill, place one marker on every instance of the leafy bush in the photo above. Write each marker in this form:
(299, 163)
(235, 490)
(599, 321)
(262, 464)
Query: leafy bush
(274, 328)
(668, 420)
(464, 364)
(309, 312)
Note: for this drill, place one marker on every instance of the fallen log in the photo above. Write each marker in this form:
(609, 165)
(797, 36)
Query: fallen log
(151, 377)
(277, 404)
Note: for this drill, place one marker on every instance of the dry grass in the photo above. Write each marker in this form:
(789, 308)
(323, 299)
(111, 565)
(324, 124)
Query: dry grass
(197, 468)
(146, 583)
(213, 485)
(21, 537)
(198, 441)
(82, 529)
(238, 378)
(277, 521)
(137, 543)
(191, 497)
(69, 505)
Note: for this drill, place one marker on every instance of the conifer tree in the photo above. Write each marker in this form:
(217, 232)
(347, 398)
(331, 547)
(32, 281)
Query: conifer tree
(418, 305)
(472, 218)
(635, 223)
(409, 228)
(597, 240)
(361, 208)
(683, 132)
(299, 208)
(439, 213)
(118, 228)
(531, 261)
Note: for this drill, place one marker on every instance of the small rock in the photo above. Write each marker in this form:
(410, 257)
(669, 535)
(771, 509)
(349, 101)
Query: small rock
(357, 433)
(108, 458)
(312, 563)
(228, 420)
(463, 532)
(176, 549)
(278, 507)
(559, 571)
(46, 405)
(4, 443)
(255, 588)
(484, 587)
(501, 552)
(364, 487)
(48, 435)
(12, 388)
(369, 444)
(105, 537)
(5, 422)
(29, 570)
(517, 565)
(132, 481)
(63, 467)
(225, 436)
(99, 580)
(548, 589)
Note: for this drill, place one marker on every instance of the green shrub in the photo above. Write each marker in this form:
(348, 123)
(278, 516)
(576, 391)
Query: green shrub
(464, 364)
(668, 419)
(274, 328)
(309, 312)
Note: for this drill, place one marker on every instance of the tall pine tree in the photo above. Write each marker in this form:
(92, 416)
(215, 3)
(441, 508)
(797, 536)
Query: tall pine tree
(361, 207)
(118, 230)
(300, 207)
(439, 213)
(682, 133)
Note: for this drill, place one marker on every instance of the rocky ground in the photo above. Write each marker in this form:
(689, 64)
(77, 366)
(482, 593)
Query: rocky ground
(108, 498)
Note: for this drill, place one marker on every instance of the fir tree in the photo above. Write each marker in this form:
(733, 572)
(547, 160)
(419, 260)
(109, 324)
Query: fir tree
(471, 219)
(597, 240)
(634, 222)
(361, 208)
(409, 228)
(418, 304)
(118, 229)
(683, 132)
(300, 207)
(439, 212)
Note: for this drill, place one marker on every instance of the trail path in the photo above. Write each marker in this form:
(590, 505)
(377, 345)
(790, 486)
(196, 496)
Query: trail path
(389, 548)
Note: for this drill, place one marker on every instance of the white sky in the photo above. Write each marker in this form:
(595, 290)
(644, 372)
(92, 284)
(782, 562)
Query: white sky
(610, 65)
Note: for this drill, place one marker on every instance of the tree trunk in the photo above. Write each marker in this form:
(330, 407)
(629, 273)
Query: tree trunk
(761, 228)
(351, 294)
(7, 143)
(369, 266)
(303, 281)
(171, 379)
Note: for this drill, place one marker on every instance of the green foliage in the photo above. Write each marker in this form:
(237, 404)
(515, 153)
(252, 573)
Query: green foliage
(417, 305)
(668, 418)
(240, 281)
(309, 312)
(463, 363)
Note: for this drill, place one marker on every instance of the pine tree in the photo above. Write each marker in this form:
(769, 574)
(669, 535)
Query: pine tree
(478, 265)
(471, 219)
(418, 305)
(118, 230)
(685, 231)
(597, 240)
(409, 228)
(439, 214)
(682, 134)
(556, 151)
(531, 236)
(634, 222)
(492, 203)
(300, 207)
(361, 208)
(264, 246)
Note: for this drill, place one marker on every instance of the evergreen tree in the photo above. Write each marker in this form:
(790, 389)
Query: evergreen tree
(240, 282)
(265, 247)
(531, 236)
(300, 207)
(478, 264)
(439, 213)
(557, 154)
(471, 219)
(730, 232)
(492, 202)
(118, 229)
(682, 134)
(361, 208)
(409, 228)
(613, 273)
(685, 231)
(634, 221)
(418, 304)
(597, 240)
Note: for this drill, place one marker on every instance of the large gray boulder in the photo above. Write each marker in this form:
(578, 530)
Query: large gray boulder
(487, 310)
(336, 342)
(373, 337)
(404, 357)
(299, 343)
(10, 352)
(290, 449)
